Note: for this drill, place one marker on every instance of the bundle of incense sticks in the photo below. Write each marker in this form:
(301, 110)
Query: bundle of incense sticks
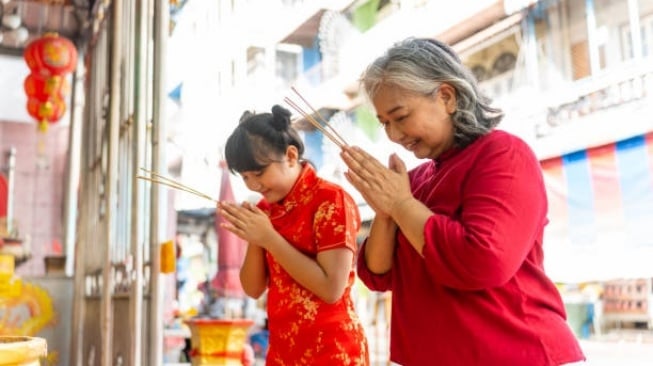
(324, 127)
(169, 182)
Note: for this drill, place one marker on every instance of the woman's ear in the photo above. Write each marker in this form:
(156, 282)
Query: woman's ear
(448, 94)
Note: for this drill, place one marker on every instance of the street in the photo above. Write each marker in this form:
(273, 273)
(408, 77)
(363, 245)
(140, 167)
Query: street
(618, 353)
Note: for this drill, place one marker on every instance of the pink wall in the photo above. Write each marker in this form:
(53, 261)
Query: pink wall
(38, 186)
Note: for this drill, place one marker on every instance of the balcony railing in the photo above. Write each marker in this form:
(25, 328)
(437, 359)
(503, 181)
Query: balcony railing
(610, 89)
(611, 106)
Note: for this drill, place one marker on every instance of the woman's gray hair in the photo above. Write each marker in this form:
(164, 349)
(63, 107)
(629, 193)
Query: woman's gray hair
(420, 66)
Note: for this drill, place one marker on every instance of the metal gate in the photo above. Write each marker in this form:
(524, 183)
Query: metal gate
(121, 219)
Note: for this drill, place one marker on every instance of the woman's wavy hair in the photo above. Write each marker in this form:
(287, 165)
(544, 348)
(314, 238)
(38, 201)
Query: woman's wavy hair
(420, 66)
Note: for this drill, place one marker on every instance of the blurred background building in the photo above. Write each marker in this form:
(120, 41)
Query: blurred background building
(160, 85)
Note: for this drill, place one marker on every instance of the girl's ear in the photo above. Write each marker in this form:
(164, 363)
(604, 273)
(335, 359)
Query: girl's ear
(448, 94)
(292, 154)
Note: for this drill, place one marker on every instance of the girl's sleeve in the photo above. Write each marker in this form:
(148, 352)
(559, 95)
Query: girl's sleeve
(336, 221)
(373, 281)
(503, 212)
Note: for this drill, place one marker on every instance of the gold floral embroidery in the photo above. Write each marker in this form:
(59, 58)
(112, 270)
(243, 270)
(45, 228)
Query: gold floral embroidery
(304, 330)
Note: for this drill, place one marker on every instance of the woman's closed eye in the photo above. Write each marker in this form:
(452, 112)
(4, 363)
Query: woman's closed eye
(401, 118)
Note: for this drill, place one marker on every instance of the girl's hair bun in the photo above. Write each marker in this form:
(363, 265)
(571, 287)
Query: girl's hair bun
(280, 118)
(246, 115)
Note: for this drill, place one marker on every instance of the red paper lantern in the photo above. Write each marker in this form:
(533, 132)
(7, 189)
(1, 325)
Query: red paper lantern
(46, 111)
(51, 55)
(43, 87)
(50, 58)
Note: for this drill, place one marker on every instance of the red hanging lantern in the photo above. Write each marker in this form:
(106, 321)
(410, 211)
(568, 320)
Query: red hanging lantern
(51, 55)
(43, 87)
(46, 111)
(50, 58)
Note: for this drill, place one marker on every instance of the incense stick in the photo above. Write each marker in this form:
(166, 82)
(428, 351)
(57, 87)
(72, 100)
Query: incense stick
(315, 123)
(181, 188)
(326, 123)
(174, 184)
(172, 181)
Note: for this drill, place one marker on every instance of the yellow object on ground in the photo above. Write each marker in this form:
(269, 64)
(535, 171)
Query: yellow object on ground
(22, 351)
(168, 257)
(10, 284)
(7, 265)
(218, 342)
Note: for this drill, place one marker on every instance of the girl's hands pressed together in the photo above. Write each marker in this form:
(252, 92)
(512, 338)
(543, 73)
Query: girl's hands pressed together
(384, 189)
(248, 222)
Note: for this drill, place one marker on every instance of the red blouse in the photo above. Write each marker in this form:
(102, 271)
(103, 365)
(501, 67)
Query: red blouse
(479, 294)
(304, 330)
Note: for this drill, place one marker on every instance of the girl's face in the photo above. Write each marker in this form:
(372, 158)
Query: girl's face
(421, 124)
(275, 181)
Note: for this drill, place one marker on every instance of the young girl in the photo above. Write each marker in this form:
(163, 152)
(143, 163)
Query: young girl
(302, 245)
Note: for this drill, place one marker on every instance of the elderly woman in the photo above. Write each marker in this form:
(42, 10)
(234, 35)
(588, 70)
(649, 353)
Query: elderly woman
(458, 239)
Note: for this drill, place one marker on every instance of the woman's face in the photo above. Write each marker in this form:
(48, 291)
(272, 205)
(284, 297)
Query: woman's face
(275, 181)
(421, 124)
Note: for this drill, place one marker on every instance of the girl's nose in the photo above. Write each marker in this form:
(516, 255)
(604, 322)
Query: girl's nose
(254, 186)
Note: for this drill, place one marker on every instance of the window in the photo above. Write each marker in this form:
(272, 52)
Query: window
(646, 31)
(255, 60)
(288, 65)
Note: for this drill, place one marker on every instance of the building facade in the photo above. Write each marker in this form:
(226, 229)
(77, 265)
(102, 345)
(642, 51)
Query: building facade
(161, 84)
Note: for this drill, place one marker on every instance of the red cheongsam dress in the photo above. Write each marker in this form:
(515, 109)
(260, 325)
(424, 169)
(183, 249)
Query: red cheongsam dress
(316, 215)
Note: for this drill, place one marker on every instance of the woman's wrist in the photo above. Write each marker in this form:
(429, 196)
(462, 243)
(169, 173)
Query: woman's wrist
(398, 206)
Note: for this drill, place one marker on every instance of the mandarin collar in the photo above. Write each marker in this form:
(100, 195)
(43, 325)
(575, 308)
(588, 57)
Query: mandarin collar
(450, 153)
(297, 196)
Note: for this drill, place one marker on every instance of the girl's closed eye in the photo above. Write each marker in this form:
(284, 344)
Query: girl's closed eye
(252, 173)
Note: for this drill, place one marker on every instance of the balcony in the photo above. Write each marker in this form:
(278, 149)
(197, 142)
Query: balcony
(428, 20)
(611, 106)
(298, 19)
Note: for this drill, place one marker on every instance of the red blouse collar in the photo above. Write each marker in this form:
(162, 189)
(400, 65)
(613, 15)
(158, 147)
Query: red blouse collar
(450, 153)
(297, 196)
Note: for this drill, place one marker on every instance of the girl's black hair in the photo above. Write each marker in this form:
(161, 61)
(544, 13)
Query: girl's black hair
(261, 139)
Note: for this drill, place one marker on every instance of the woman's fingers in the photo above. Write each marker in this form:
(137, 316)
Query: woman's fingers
(356, 161)
(360, 161)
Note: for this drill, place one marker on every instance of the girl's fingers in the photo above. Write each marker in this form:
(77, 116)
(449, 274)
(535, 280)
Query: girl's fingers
(234, 230)
(235, 217)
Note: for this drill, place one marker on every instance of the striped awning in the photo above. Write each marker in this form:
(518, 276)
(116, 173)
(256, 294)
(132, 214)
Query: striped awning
(601, 212)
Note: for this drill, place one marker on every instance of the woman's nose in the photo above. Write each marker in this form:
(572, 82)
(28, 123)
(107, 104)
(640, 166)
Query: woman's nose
(393, 133)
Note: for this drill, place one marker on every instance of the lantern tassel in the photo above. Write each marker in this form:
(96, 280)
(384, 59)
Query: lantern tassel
(41, 135)
(43, 126)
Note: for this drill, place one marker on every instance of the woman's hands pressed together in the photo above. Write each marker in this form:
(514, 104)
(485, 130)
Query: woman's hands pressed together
(248, 222)
(385, 189)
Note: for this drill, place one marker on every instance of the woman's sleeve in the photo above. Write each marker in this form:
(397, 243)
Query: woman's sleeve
(503, 214)
(375, 282)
